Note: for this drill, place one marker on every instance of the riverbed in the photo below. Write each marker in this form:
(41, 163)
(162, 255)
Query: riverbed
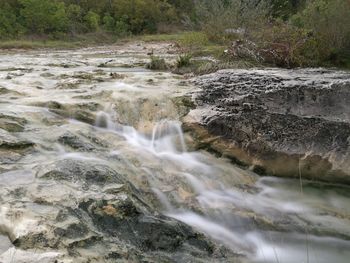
(81, 127)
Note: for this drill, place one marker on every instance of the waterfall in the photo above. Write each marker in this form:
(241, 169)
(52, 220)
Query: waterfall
(215, 201)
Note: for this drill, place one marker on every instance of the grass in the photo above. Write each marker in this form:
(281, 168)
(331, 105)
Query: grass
(157, 63)
(37, 44)
(191, 42)
(183, 61)
(67, 42)
(159, 37)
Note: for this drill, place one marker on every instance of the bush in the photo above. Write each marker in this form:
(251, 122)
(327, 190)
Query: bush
(218, 17)
(75, 16)
(92, 20)
(329, 23)
(108, 23)
(157, 63)
(44, 16)
(285, 45)
(143, 16)
(8, 22)
(183, 61)
(121, 28)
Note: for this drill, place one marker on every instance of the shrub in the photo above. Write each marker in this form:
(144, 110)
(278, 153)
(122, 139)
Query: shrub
(121, 28)
(218, 17)
(8, 22)
(157, 63)
(92, 20)
(143, 16)
(108, 23)
(285, 45)
(44, 16)
(183, 61)
(75, 16)
(329, 22)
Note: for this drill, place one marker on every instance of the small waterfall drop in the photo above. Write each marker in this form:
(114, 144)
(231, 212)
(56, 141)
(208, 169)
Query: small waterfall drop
(199, 196)
(167, 136)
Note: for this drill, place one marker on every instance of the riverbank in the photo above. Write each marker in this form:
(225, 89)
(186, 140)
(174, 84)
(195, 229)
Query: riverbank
(202, 56)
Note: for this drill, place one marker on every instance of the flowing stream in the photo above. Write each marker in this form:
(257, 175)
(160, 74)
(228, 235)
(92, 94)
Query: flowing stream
(74, 105)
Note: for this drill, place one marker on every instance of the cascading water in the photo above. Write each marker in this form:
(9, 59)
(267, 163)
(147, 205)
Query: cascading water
(220, 210)
(81, 121)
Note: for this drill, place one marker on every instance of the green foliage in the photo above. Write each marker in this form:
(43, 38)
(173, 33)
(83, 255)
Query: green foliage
(75, 16)
(328, 21)
(121, 28)
(157, 63)
(285, 45)
(44, 16)
(284, 9)
(9, 26)
(92, 20)
(183, 61)
(298, 32)
(219, 17)
(284, 32)
(55, 17)
(143, 15)
(108, 22)
(193, 39)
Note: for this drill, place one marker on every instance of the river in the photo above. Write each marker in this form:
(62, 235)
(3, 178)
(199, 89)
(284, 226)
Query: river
(99, 106)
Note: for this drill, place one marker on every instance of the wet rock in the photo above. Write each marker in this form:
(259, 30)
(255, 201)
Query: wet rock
(69, 84)
(82, 111)
(47, 75)
(126, 218)
(10, 142)
(75, 142)
(12, 123)
(101, 94)
(76, 170)
(115, 75)
(279, 122)
(9, 157)
(105, 222)
(5, 91)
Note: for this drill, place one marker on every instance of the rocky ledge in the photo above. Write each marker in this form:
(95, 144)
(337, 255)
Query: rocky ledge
(277, 122)
(81, 211)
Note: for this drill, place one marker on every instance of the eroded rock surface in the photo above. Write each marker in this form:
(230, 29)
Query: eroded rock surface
(72, 188)
(87, 212)
(281, 122)
(94, 167)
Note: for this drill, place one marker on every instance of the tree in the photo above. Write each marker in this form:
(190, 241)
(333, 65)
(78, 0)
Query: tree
(44, 16)
(92, 20)
(9, 26)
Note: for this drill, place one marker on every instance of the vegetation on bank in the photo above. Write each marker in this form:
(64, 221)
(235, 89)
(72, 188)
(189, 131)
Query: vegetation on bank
(285, 33)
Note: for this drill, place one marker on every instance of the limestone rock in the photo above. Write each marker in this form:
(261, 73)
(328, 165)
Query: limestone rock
(279, 122)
